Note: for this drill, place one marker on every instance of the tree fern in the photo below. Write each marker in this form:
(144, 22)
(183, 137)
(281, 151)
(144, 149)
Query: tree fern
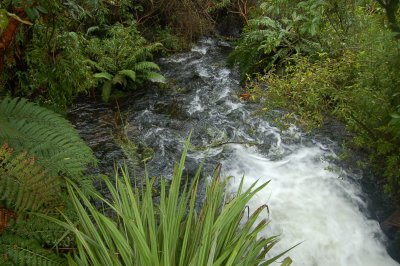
(17, 251)
(45, 135)
(25, 184)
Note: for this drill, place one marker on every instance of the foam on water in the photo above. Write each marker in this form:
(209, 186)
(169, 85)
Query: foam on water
(310, 205)
(195, 105)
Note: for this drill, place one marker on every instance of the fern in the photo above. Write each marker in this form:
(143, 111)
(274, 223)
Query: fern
(24, 184)
(45, 135)
(106, 90)
(153, 76)
(272, 37)
(59, 77)
(103, 75)
(31, 226)
(122, 59)
(128, 73)
(146, 65)
(18, 251)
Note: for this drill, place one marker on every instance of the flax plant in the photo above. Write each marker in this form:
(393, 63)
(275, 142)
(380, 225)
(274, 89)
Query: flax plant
(170, 230)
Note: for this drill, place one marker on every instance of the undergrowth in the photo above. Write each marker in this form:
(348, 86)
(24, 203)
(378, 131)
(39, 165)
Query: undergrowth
(135, 229)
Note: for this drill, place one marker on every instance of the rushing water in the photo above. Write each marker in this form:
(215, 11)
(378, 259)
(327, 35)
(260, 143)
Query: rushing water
(310, 199)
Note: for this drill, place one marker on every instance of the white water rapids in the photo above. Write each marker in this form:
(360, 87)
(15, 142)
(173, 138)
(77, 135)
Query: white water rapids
(312, 206)
(309, 203)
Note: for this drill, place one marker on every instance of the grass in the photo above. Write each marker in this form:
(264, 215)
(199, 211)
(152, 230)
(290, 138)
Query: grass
(171, 230)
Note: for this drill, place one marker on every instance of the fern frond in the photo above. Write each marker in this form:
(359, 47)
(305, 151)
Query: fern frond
(44, 134)
(129, 73)
(48, 234)
(103, 75)
(152, 76)
(18, 251)
(146, 65)
(106, 91)
(262, 21)
(145, 52)
(25, 184)
(119, 79)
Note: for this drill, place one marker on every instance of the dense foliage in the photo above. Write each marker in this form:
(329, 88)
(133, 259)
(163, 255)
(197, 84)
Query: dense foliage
(53, 51)
(132, 229)
(120, 58)
(331, 58)
(68, 46)
(40, 150)
(318, 58)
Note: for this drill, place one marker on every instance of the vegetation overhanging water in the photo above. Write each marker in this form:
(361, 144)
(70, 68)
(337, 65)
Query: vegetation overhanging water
(310, 199)
(313, 60)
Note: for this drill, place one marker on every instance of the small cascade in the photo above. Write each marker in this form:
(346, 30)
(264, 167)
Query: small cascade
(311, 200)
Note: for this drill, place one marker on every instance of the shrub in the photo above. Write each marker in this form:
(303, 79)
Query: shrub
(58, 72)
(121, 57)
(277, 31)
(356, 82)
(135, 230)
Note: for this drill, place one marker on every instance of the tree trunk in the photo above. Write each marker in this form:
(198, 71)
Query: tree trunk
(391, 10)
(391, 7)
(8, 35)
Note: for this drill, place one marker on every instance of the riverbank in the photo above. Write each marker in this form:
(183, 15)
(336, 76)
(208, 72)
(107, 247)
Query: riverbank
(306, 184)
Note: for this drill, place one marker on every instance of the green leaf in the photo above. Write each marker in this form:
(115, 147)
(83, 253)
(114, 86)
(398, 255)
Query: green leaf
(45, 135)
(106, 91)
(103, 75)
(146, 65)
(35, 12)
(119, 79)
(29, 13)
(136, 230)
(395, 115)
(154, 77)
(287, 262)
(42, 9)
(92, 29)
(3, 19)
(32, 13)
(129, 73)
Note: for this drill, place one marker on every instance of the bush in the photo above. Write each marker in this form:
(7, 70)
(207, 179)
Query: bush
(307, 90)
(121, 57)
(356, 82)
(57, 73)
(135, 230)
(277, 31)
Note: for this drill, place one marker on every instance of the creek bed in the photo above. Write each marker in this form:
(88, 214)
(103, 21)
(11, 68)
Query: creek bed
(311, 199)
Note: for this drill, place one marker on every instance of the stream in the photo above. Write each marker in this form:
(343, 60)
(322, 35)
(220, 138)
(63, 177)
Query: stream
(311, 199)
